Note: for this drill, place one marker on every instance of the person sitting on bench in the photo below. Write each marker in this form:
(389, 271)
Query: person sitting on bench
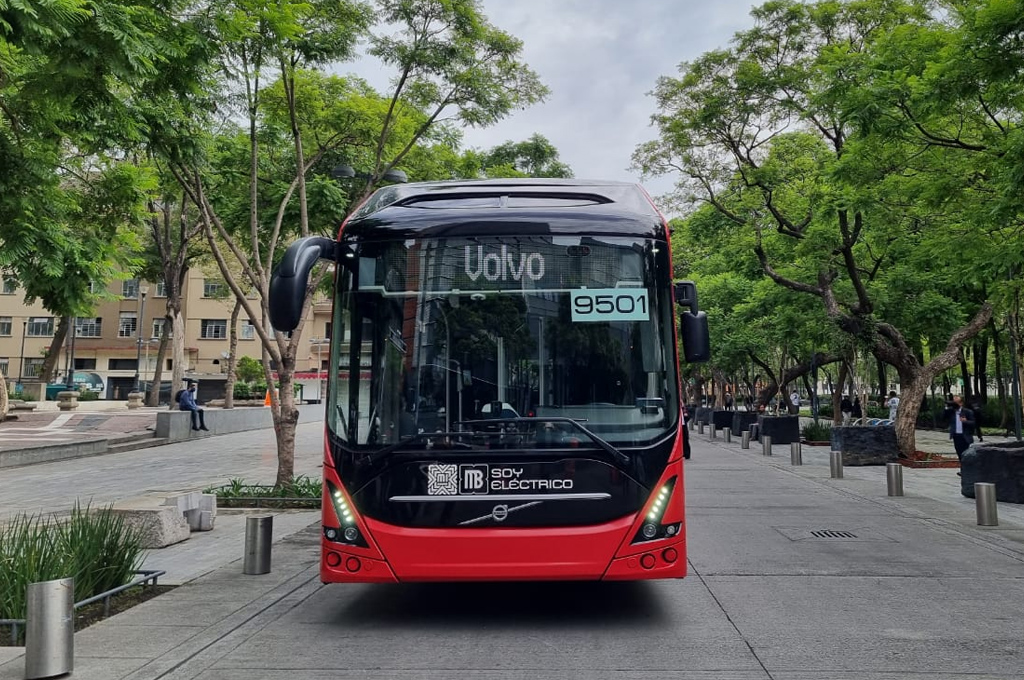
(187, 402)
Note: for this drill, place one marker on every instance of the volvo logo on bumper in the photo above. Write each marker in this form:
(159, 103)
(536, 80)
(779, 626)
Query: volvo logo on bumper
(500, 513)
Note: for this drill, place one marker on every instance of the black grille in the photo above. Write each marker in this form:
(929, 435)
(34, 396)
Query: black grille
(828, 533)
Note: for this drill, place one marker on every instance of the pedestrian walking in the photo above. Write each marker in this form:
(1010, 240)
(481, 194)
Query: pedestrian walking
(846, 408)
(961, 427)
(856, 412)
(893, 404)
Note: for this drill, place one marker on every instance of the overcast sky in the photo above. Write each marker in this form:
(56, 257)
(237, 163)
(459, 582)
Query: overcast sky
(600, 58)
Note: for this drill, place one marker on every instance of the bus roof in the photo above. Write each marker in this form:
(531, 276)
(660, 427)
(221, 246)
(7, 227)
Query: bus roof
(563, 205)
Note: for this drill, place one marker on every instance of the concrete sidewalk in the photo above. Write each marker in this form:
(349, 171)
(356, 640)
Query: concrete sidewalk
(916, 590)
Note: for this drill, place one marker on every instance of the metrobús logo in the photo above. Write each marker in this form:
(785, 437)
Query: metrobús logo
(480, 479)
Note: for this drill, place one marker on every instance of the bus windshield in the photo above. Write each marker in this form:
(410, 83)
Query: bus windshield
(441, 335)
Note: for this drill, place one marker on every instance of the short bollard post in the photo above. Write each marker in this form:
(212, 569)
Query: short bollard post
(690, 424)
(796, 455)
(766, 445)
(835, 464)
(49, 628)
(728, 434)
(894, 478)
(985, 502)
(700, 428)
(745, 439)
(259, 532)
(714, 431)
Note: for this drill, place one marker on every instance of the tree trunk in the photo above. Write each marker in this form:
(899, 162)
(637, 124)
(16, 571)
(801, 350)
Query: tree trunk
(178, 344)
(883, 381)
(286, 419)
(965, 377)
(153, 398)
(837, 414)
(981, 369)
(913, 388)
(46, 374)
(1004, 412)
(229, 385)
(4, 403)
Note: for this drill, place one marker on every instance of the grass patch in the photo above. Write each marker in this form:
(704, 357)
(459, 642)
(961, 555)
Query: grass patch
(303, 492)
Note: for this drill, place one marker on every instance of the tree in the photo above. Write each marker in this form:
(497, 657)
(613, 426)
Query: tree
(535, 157)
(762, 131)
(450, 60)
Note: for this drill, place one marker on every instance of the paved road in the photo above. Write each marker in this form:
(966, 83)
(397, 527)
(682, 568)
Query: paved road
(919, 592)
(53, 487)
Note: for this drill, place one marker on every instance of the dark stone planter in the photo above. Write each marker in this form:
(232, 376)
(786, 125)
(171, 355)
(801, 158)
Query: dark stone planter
(1000, 464)
(742, 420)
(782, 429)
(704, 415)
(722, 419)
(862, 445)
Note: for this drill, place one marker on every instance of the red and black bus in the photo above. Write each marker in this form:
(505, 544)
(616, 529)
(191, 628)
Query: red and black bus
(504, 400)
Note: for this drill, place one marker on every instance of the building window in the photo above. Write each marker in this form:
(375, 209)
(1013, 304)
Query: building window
(327, 331)
(130, 288)
(85, 364)
(89, 327)
(40, 327)
(33, 367)
(248, 331)
(5, 325)
(170, 365)
(10, 286)
(214, 288)
(122, 364)
(5, 365)
(161, 289)
(129, 323)
(214, 329)
(158, 328)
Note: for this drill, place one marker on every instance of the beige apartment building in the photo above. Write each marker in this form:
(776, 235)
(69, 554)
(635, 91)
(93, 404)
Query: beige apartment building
(120, 343)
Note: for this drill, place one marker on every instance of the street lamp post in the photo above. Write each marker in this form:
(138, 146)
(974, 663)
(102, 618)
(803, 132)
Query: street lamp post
(70, 384)
(21, 359)
(138, 337)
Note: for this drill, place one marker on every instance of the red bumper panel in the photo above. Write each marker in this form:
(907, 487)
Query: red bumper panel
(514, 554)
(663, 561)
(338, 566)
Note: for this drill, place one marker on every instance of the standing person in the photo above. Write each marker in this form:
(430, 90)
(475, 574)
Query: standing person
(961, 427)
(978, 419)
(846, 408)
(187, 402)
(728, 401)
(893, 404)
(856, 411)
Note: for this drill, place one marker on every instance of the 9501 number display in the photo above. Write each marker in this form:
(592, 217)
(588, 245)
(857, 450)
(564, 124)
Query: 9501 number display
(610, 304)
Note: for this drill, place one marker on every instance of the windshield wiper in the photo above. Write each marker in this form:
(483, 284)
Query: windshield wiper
(601, 443)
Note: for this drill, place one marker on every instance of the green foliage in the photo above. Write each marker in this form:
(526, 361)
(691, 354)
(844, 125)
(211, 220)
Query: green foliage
(95, 547)
(88, 395)
(242, 390)
(817, 432)
(249, 370)
(301, 492)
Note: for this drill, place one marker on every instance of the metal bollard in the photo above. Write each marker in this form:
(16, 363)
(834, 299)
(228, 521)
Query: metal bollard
(835, 464)
(796, 455)
(690, 425)
(259, 532)
(714, 431)
(894, 478)
(49, 628)
(766, 445)
(700, 428)
(728, 434)
(985, 503)
(745, 439)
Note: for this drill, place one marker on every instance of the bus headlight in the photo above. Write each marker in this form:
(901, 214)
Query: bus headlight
(348, 532)
(652, 528)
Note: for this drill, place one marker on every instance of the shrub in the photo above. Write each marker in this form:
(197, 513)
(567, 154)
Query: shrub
(817, 432)
(88, 395)
(242, 390)
(95, 547)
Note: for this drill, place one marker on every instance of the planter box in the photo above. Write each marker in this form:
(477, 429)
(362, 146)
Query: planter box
(782, 429)
(721, 419)
(703, 415)
(866, 445)
(742, 420)
(1001, 464)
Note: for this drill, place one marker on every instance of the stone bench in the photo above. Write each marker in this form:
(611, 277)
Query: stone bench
(168, 517)
(18, 405)
(177, 425)
(1000, 464)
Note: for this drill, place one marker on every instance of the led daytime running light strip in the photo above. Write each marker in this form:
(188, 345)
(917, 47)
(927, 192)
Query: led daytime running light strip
(661, 502)
(340, 506)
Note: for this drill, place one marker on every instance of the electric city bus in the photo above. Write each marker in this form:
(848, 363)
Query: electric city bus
(504, 396)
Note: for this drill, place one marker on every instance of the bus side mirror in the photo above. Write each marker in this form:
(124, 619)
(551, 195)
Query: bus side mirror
(693, 324)
(290, 278)
(696, 338)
